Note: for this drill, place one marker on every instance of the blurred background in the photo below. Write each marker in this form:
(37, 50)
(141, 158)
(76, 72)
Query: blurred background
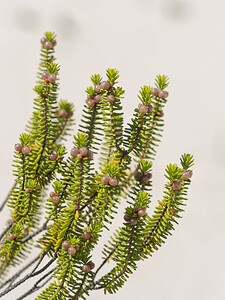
(183, 39)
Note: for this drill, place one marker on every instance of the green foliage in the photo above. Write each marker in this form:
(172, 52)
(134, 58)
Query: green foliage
(145, 94)
(96, 79)
(161, 82)
(112, 75)
(85, 198)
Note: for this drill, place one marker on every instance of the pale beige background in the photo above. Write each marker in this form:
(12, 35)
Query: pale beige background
(186, 41)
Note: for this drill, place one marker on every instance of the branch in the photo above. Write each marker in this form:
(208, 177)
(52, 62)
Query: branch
(10, 280)
(154, 122)
(6, 199)
(137, 137)
(92, 125)
(124, 268)
(45, 129)
(80, 287)
(61, 131)
(42, 228)
(7, 229)
(94, 283)
(28, 276)
(35, 286)
(113, 128)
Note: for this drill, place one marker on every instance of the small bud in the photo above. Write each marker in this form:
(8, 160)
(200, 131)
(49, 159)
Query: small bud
(83, 151)
(105, 179)
(111, 98)
(62, 113)
(77, 247)
(43, 41)
(113, 181)
(91, 103)
(138, 175)
(9, 221)
(187, 175)
(54, 43)
(141, 212)
(52, 78)
(45, 75)
(48, 45)
(127, 218)
(53, 156)
(104, 85)
(79, 156)
(25, 150)
(89, 154)
(155, 92)
(143, 109)
(69, 115)
(163, 94)
(150, 107)
(52, 194)
(55, 199)
(18, 147)
(176, 185)
(86, 235)
(86, 268)
(97, 89)
(97, 99)
(160, 113)
(72, 250)
(133, 221)
(28, 190)
(74, 152)
(91, 265)
(149, 175)
(136, 208)
(66, 245)
(144, 179)
(12, 237)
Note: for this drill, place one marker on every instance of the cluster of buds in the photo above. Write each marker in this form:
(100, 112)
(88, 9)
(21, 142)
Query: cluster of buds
(86, 235)
(55, 197)
(110, 180)
(47, 45)
(81, 153)
(28, 190)
(49, 77)
(176, 185)
(71, 249)
(161, 94)
(104, 85)
(143, 178)
(187, 175)
(144, 109)
(88, 267)
(140, 211)
(63, 113)
(91, 101)
(19, 148)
